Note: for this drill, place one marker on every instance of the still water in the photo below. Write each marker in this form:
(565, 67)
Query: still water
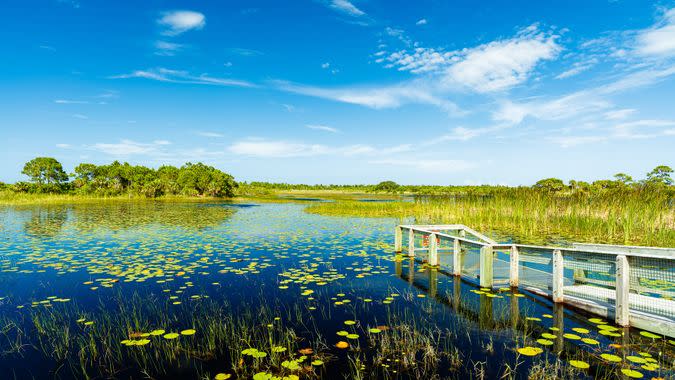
(266, 291)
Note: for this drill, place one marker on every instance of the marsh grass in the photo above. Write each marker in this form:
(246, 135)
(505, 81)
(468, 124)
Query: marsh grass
(529, 216)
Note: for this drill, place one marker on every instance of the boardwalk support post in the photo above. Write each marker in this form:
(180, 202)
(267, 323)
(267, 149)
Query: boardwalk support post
(411, 243)
(486, 261)
(622, 291)
(513, 267)
(457, 258)
(398, 239)
(558, 276)
(433, 250)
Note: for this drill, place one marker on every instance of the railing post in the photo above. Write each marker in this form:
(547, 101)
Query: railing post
(433, 250)
(486, 261)
(398, 239)
(513, 267)
(622, 291)
(558, 276)
(457, 258)
(411, 243)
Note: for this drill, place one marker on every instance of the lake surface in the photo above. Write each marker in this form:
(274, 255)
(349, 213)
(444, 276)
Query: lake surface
(206, 290)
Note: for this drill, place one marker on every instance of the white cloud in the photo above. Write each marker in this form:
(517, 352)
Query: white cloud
(325, 65)
(178, 22)
(494, 66)
(162, 142)
(619, 114)
(500, 65)
(322, 128)
(660, 39)
(63, 146)
(641, 129)
(125, 148)
(288, 149)
(375, 97)
(347, 7)
(167, 48)
(421, 22)
(436, 166)
(80, 116)
(177, 76)
(572, 141)
(210, 134)
(66, 101)
(578, 68)
(281, 149)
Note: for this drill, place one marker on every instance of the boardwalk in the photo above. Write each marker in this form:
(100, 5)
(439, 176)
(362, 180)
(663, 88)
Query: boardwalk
(635, 286)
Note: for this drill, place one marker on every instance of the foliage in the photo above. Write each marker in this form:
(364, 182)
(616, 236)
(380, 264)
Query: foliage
(117, 178)
(387, 187)
(45, 170)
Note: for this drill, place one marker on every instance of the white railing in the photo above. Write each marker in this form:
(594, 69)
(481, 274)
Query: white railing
(636, 289)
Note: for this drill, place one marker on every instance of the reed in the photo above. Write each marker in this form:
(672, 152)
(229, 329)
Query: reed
(630, 218)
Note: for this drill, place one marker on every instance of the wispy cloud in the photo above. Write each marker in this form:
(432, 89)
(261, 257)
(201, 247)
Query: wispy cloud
(436, 166)
(345, 7)
(80, 116)
(126, 148)
(322, 128)
(245, 52)
(176, 76)
(578, 68)
(495, 66)
(63, 146)
(421, 22)
(375, 97)
(288, 149)
(70, 101)
(178, 22)
(210, 134)
(165, 48)
(659, 40)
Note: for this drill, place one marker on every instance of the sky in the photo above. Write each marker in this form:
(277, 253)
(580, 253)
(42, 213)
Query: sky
(342, 91)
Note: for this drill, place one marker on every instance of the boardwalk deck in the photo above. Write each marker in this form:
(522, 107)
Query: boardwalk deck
(633, 285)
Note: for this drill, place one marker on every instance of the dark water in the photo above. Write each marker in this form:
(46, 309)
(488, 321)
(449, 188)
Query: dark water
(85, 291)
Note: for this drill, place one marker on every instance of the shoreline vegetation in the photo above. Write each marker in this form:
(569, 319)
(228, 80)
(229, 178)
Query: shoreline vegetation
(616, 211)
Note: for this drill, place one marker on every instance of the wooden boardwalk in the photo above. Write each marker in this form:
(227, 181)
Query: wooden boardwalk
(633, 285)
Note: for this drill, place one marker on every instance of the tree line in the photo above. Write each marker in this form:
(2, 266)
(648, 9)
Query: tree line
(47, 175)
(658, 179)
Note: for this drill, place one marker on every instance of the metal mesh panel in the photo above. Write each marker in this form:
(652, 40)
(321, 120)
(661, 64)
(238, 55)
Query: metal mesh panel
(590, 276)
(446, 253)
(652, 286)
(501, 266)
(470, 259)
(535, 267)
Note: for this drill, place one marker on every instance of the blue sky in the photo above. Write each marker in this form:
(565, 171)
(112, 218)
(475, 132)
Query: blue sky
(338, 91)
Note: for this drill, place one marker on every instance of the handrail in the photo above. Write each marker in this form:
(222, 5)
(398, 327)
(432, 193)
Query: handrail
(623, 297)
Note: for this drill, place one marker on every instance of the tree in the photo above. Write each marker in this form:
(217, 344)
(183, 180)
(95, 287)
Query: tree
(550, 184)
(660, 175)
(45, 170)
(387, 186)
(623, 178)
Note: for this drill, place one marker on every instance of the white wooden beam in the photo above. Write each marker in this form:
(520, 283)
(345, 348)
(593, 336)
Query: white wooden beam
(457, 258)
(622, 291)
(486, 267)
(513, 267)
(433, 250)
(558, 276)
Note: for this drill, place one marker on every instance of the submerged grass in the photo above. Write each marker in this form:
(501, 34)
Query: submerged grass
(535, 217)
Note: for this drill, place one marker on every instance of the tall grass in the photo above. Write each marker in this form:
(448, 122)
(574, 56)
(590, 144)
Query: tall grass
(637, 218)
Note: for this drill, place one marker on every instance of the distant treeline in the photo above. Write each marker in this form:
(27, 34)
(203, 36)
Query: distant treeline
(47, 176)
(658, 179)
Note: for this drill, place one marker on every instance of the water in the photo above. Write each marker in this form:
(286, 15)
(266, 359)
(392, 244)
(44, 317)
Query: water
(82, 285)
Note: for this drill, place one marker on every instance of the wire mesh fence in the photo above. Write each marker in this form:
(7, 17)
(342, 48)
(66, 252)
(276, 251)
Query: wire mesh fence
(590, 276)
(535, 267)
(652, 286)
